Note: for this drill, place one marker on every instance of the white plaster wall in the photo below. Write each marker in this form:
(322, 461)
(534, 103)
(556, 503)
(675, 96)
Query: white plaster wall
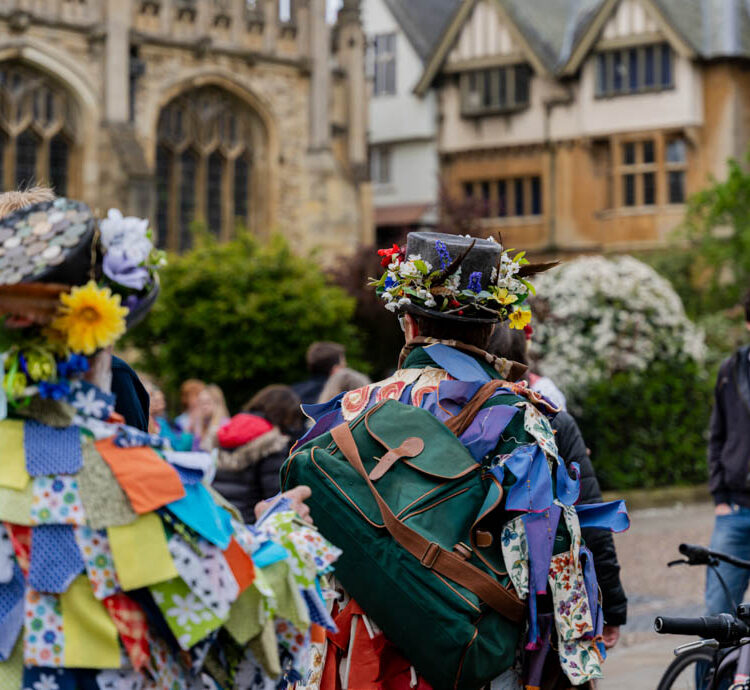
(586, 115)
(404, 115)
(414, 176)
(592, 116)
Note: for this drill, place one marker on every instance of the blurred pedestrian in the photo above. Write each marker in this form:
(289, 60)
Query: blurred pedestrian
(208, 415)
(323, 359)
(189, 391)
(728, 455)
(254, 444)
(342, 381)
(513, 345)
(159, 422)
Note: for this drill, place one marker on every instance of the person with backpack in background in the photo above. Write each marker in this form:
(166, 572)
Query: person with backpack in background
(513, 344)
(463, 563)
(728, 463)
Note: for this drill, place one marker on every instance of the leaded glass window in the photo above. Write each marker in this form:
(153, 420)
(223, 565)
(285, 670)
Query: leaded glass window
(207, 139)
(38, 120)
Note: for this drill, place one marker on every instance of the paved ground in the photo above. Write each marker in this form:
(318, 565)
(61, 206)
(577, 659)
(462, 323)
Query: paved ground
(654, 589)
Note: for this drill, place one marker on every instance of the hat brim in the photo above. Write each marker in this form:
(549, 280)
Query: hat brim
(435, 314)
(135, 316)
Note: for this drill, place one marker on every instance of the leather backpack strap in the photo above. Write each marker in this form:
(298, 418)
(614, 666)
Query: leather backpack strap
(430, 554)
(465, 417)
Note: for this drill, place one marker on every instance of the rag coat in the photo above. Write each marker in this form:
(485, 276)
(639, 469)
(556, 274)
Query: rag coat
(251, 453)
(572, 448)
(729, 441)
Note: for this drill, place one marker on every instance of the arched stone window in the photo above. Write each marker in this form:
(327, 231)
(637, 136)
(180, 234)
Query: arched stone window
(38, 121)
(209, 144)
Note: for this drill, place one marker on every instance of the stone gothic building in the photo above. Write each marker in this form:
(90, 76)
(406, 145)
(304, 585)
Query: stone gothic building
(250, 112)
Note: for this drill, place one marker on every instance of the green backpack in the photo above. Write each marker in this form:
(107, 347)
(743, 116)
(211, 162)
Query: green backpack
(403, 498)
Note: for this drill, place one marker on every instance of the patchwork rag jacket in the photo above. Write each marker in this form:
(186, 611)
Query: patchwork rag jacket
(121, 568)
(513, 438)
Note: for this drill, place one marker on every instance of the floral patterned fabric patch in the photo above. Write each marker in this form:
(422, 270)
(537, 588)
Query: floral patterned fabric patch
(581, 661)
(48, 679)
(516, 555)
(90, 401)
(44, 641)
(97, 557)
(56, 501)
(207, 574)
(187, 616)
(538, 426)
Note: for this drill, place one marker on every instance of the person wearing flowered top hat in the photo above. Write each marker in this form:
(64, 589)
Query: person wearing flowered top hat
(119, 565)
(449, 292)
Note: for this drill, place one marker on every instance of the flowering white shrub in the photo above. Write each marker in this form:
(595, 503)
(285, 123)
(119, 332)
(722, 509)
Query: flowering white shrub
(600, 316)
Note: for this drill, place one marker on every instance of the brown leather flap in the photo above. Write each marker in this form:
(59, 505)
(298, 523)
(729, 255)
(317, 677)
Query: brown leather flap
(410, 448)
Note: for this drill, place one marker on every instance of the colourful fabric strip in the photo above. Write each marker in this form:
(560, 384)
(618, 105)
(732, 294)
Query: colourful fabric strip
(55, 558)
(50, 450)
(13, 473)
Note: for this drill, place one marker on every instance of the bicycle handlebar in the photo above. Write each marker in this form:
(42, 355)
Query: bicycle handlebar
(724, 628)
(700, 555)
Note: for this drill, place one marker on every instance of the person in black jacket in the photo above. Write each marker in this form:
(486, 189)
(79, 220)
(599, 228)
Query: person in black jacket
(323, 360)
(512, 344)
(728, 464)
(254, 444)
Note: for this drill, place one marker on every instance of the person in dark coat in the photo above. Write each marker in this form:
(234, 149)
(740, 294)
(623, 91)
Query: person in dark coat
(512, 344)
(323, 359)
(254, 444)
(132, 400)
(728, 464)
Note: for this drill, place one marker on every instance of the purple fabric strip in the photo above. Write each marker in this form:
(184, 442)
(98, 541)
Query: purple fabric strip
(483, 433)
(535, 660)
(592, 589)
(540, 535)
(532, 491)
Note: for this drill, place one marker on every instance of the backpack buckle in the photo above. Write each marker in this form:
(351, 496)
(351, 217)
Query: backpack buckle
(430, 555)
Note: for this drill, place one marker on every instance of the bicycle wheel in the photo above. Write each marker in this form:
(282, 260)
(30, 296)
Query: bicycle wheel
(691, 671)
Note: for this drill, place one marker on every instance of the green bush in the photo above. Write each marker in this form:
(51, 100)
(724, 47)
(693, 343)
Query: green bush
(241, 315)
(649, 430)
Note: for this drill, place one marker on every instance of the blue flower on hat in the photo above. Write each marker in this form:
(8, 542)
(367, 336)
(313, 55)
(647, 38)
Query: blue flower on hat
(475, 282)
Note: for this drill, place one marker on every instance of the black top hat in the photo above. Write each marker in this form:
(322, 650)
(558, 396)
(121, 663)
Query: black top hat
(56, 243)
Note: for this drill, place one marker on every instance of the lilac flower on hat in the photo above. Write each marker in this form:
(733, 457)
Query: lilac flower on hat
(123, 266)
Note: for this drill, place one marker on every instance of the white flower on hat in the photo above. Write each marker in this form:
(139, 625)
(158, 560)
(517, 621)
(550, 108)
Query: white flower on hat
(117, 229)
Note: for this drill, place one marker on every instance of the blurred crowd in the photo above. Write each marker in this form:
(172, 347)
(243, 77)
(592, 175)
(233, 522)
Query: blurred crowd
(251, 445)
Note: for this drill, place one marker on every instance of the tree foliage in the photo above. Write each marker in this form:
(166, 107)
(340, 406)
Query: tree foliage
(241, 315)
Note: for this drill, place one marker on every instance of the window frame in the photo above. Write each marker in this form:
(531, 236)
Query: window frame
(383, 60)
(503, 89)
(606, 57)
(380, 154)
(637, 171)
(670, 167)
(501, 197)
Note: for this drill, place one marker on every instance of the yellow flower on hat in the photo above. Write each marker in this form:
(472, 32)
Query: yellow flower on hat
(504, 296)
(90, 318)
(519, 319)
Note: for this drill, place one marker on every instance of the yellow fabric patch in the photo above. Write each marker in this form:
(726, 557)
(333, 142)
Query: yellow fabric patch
(90, 635)
(11, 671)
(15, 506)
(141, 553)
(13, 474)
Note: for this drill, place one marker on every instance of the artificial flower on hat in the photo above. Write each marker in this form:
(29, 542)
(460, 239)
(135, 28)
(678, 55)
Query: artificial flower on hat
(91, 318)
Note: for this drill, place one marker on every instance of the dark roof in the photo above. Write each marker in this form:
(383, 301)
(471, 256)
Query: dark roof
(423, 21)
(552, 29)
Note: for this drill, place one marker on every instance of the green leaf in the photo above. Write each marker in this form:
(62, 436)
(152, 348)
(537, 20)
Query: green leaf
(421, 266)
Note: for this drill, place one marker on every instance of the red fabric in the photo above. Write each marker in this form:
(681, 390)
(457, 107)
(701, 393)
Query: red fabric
(241, 429)
(376, 664)
(131, 624)
(20, 538)
(241, 565)
(148, 481)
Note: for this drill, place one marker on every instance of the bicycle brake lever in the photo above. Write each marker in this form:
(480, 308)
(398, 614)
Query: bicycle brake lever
(681, 561)
(698, 644)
